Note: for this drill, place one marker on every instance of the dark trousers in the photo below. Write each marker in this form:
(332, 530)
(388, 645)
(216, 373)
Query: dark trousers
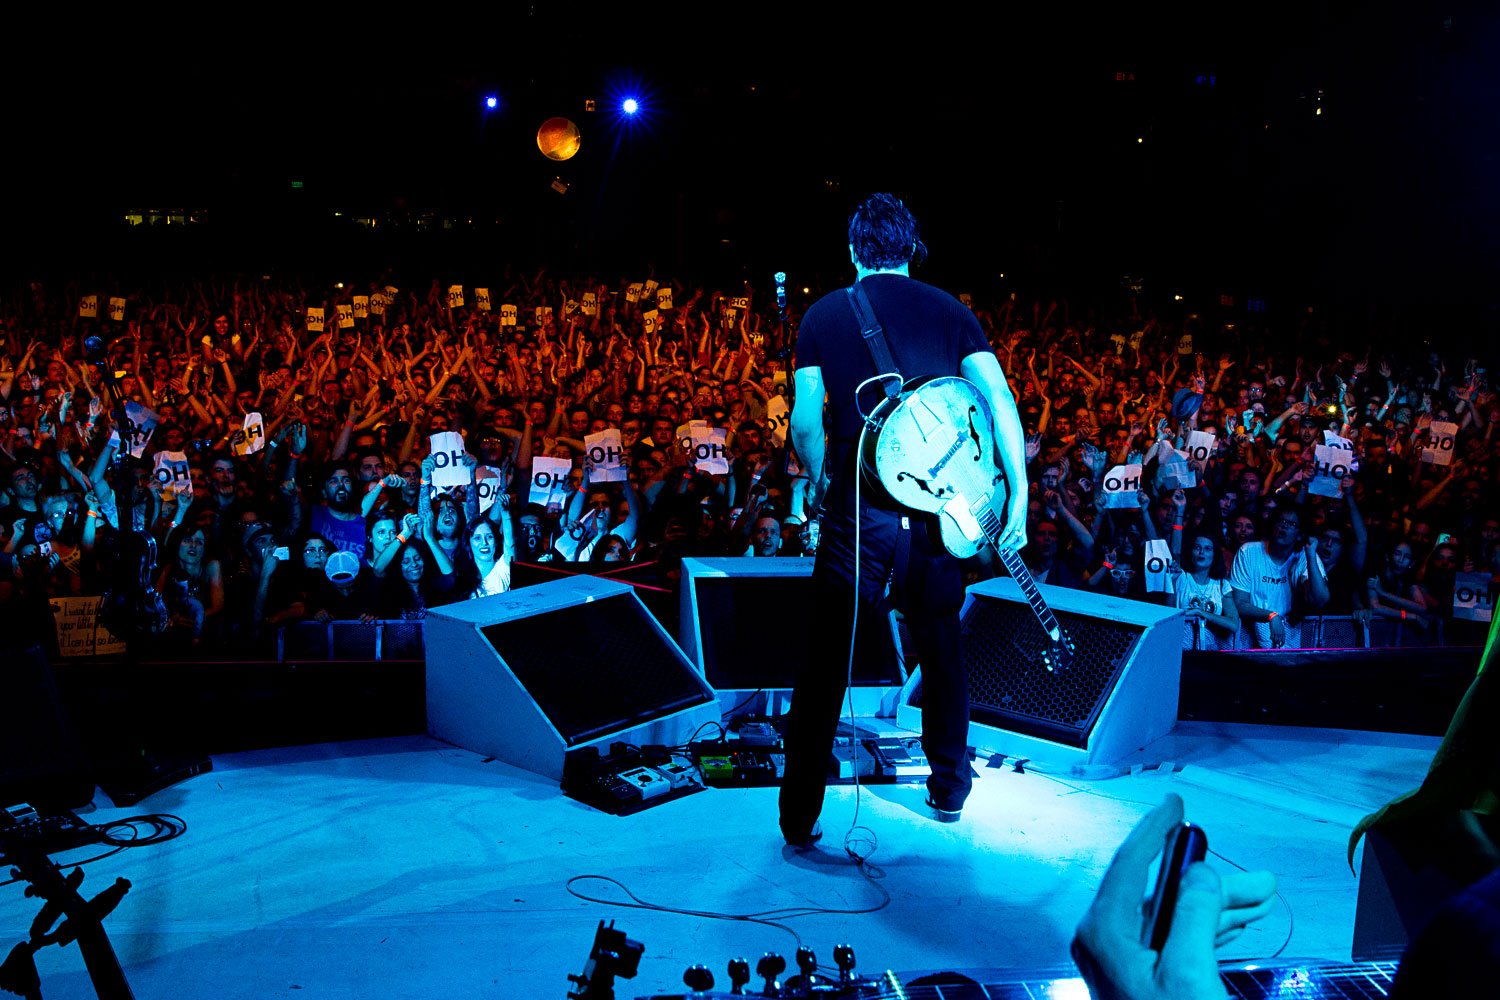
(925, 585)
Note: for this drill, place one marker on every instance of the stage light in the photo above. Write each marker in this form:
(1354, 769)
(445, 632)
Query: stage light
(492, 102)
(1177, 298)
(630, 105)
(1139, 139)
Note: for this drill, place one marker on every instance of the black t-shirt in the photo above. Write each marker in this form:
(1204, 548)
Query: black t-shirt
(928, 332)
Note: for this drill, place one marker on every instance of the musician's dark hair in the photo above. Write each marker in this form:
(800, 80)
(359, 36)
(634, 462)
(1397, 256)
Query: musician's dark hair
(884, 233)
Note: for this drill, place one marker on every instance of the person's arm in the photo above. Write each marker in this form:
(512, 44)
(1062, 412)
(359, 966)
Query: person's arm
(214, 577)
(629, 529)
(1179, 508)
(806, 425)
(507, 527)
(983, 369)
(1239, 580)
(1360, 547)
(1316, 585)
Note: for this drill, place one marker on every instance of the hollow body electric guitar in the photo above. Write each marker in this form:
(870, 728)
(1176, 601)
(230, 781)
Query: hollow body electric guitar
(931, 448)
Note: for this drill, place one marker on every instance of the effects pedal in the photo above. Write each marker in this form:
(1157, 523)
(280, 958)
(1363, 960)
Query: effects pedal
(677, 774)
(898, 758)
(759, 734)
(647, 781)
(854, 761)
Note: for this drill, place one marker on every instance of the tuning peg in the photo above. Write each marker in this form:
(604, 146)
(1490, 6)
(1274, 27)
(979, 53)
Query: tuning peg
(739, 976)
(807, 962)
(770, 967)
(698, 978)
(843, 957)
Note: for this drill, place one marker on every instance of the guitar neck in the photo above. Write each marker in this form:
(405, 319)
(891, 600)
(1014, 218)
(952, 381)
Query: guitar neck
(1018, 571)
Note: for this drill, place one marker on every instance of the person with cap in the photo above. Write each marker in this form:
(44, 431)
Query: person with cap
(350, 593)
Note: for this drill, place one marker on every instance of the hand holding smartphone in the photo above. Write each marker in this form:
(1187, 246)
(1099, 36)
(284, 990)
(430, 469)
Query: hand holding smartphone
(1186, 845)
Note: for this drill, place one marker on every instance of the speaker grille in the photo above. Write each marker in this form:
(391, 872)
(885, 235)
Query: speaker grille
(1010, 688)
(596, 668)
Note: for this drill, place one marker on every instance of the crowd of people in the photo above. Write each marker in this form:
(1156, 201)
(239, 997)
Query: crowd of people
(281, 462)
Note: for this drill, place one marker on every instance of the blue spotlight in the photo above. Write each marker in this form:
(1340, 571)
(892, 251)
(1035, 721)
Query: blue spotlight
(492, 102)
(630, 106)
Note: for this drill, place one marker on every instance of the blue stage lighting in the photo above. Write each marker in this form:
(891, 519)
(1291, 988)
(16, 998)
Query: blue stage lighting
(492, 102)
(630, 106)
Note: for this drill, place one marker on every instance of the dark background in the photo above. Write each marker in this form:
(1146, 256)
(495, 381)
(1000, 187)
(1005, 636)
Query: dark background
(1012, 136)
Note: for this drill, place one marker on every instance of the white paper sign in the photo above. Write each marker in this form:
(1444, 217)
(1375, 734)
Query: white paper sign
(709, 453)
(172, 469)
(489, 483)
(1118, 490)
(117, 309)
(507, 315)
(361, 307)
(1136, 338)
(143, 423)
(1176, 471)
(606, 456)
(688, 431)
(589, 305)
(482, 299)
(740, 302)
(1472, 600)
(1439, 450)
(345, 313)
(378, 303)
(778, 419)
(648, 289)
(1333, 440)
(549, 481)
(1200, 448)
(1185, 344)
(649, 320)
(88, 306)
(542, 314)
(1330, 466)
(455, 296)
(78, 630)
(664, 297)
(251, 437)
(633, 292)
(448, 467)
(731, 318)
(1159, 565)
(315, 319)
(570, 307)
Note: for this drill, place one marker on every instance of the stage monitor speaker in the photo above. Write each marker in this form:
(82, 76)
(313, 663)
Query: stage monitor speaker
(1119, 694)
(533, 674)
(746, 626)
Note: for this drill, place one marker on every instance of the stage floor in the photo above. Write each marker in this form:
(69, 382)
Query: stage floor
(409, 868)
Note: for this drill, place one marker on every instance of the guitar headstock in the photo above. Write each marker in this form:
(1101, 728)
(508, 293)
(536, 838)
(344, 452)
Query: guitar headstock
(1058, 656)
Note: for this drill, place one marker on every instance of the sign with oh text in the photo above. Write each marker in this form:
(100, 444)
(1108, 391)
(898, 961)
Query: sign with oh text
(549, 481)
(709, 453)
(1330, 466)
(448, 468)
(378, 303)
(88, 306)
(606, 456)
(778, 418)
(650, 320)
(633, 292)
(78, 630)
(482, 299)
(251, 437)
(172, 469)
(1333, 440)
(455, 296)
(1159, 565)
(508, 313)
(731, 318)
(117, 309)
(1200, 448)
(1439, 450)
(571, 307)
(1176, 471)
(315, 319)
(648, 289)
(142, 424)
(345, 313)
(664, 297)
(542, 314)
(589, 305)
(1120, 486)
(1473, 600)
(740, 302)
(686, 432)
(489, 483)
(1185, 344)
(1136, 338)
(361, 307)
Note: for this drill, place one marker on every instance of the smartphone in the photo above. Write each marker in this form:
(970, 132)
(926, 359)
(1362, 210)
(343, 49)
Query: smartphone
(281, 553)
(1185, 845)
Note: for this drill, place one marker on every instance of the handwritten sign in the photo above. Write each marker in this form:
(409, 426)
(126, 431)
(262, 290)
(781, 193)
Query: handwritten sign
(633, 292)
(650, 320)
(1440, 437)
(605, 456)
(171, 469)
(345, 313)
(740, 302)
(489, 483)
(778, 419)
(455, 296)
(589, 304)
(361, 307)
(1200, 448)
(542, 315)
(549, 481)
(508, 315)
(1330, 466)
(1185, 344)
(664, 297)
(378, 303)
(1159, 565)
(143, 422)
(251, 437)
(482, 299)
(78, 630)
(1176, 471)
(117, 309)
(1120, 486)
(315, 319)
(731, 317)
(1473, 599)
(88, 306)
(571, 306)
(709, 453)
(448, 468)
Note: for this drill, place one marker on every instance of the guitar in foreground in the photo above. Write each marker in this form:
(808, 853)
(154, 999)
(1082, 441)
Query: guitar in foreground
(931, 448)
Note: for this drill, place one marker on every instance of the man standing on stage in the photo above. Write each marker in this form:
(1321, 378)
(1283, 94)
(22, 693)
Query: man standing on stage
(901, 561)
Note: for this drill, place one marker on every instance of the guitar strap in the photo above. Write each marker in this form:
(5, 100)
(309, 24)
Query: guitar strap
(874, 337)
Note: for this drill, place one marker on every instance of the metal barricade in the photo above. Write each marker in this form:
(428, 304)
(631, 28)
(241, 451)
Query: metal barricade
(393, 639)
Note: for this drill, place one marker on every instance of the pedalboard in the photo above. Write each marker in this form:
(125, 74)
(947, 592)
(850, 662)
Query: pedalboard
(628, 779)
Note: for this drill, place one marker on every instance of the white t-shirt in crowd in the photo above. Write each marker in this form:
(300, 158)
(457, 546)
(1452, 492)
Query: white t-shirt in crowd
(1270, 584)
